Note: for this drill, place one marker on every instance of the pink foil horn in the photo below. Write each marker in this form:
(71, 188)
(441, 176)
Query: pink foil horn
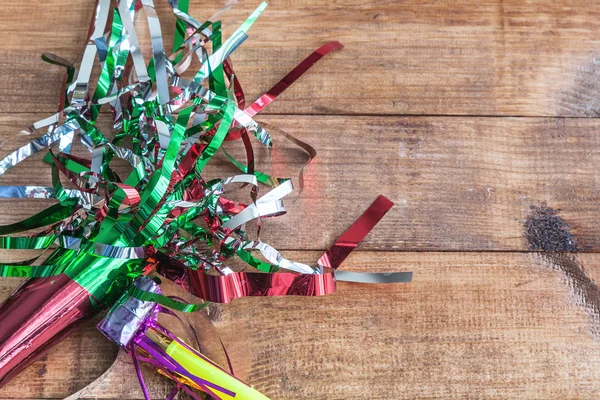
(37, 316)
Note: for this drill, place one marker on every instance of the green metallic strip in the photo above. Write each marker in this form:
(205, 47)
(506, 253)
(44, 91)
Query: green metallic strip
(217, 75)
(219, 136)
(165, 234)
(71, 165)
(159, 183)
(50, 215)
(88, 127)
(165, 301)
(26, 243)
(104, 278)
(27, 271)
(180, 29)
(155, 224)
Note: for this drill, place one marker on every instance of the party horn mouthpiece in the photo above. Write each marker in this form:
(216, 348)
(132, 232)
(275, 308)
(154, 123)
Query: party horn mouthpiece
(132, 323)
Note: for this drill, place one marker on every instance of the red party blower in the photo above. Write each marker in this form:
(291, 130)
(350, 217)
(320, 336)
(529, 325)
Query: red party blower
(35, 317)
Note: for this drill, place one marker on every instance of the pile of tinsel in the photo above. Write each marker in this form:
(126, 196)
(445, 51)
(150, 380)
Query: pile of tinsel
(109, 230)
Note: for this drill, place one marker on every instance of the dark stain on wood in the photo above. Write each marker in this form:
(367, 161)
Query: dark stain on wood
(584, 291)
(545, 230)
(548, 232)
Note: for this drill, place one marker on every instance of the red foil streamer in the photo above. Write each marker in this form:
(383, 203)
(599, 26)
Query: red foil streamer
(36, 317)
(291, 77)
(223, 289)
(342, 247)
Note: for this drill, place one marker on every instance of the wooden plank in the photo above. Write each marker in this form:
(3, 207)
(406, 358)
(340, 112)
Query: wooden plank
(458, 183)
(476, 325)
(464, 184)
(474, 57)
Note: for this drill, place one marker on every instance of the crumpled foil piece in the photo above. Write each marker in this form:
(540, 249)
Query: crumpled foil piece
(124, 320)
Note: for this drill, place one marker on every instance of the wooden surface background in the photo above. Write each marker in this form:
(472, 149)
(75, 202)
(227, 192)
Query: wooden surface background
(478, 118)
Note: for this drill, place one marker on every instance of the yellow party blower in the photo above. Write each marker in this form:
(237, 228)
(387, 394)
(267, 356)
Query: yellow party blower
(132, 323)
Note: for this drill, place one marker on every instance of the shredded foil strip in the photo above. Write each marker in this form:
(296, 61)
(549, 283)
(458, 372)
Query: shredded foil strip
(163, 216)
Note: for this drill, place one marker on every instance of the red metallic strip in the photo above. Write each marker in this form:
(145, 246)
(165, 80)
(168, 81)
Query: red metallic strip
(223, 289)
(342, 247)
(291, 77)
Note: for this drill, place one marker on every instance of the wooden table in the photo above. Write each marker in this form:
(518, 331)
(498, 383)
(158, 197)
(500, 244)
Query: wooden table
(479, 119)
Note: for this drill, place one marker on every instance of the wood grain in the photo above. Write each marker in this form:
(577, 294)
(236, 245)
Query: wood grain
(471, 325)
(464, 184)
(497, 216)
(492, 57)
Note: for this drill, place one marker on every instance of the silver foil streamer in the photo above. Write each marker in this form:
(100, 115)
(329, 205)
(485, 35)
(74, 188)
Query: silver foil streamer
(373, 277)
(135, 49)
(81, 85)
(158, 52)
(268, 205)
(38, 144)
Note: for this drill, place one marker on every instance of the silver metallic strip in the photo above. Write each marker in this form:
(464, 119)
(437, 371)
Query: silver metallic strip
(275, 258)
(135, 50)
(81, 85)
(158, 52)
(269, 204)
(373, 277)
(36, 145)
